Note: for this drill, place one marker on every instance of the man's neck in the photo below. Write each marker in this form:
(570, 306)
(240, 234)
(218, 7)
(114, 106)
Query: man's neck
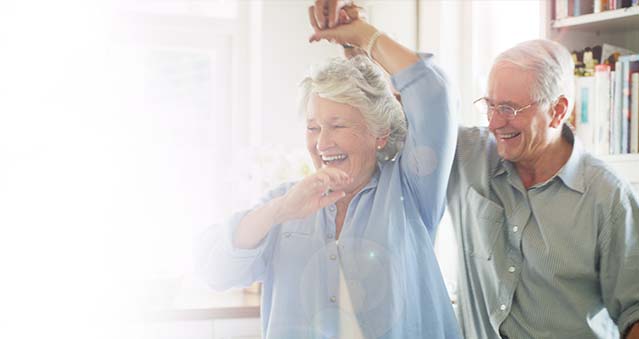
(544, 167)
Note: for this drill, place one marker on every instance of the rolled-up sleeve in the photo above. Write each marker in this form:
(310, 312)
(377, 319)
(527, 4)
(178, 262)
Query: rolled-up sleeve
(620, 262)
(426, 160)
(223, 266)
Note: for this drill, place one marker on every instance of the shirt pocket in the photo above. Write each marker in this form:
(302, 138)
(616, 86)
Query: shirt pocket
(294, 249)
(297, 229)
(485, 219)
(296, 237)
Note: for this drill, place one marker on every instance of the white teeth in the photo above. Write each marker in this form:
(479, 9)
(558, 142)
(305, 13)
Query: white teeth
(508, 135)
(333, 157)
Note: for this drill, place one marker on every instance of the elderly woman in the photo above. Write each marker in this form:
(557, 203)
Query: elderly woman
(346, 252)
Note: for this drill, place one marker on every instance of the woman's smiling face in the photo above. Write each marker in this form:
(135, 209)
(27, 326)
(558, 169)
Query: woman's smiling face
(337, 136)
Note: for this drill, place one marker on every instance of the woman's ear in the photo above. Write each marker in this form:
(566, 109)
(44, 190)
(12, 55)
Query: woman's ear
(559, 111)
(381, 141)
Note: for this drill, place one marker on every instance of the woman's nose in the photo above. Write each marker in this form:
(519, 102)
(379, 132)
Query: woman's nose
(324, 141)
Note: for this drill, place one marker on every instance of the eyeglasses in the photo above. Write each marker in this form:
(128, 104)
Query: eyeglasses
(484, 106)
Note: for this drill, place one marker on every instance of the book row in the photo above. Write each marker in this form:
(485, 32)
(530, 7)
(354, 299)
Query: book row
(566, 8)
(606, 115)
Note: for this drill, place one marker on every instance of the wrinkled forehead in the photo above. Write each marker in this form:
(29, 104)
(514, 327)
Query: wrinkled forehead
(320, 108)
(508, 68)
(510, 82)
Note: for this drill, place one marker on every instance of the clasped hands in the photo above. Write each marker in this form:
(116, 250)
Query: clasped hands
(339, 21)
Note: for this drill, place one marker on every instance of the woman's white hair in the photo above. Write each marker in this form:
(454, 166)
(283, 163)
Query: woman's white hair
(552, 65)
(360, 83)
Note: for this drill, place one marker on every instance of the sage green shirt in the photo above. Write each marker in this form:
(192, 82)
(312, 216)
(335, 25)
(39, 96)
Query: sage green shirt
(557, 260)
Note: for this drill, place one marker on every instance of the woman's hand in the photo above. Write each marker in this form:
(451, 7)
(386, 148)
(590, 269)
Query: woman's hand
(350, 29)
(330, 13)
(324, 187)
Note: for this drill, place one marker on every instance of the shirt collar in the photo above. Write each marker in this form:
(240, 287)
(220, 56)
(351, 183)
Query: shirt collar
(571, 173)
(374, 179)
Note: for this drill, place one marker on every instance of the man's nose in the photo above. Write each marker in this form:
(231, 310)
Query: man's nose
(496, 119)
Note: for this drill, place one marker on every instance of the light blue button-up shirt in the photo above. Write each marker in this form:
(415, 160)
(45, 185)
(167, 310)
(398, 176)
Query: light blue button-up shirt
(384, 250)
(557, 260)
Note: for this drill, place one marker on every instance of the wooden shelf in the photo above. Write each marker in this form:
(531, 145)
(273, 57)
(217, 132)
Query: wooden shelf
(624, 19)
(626, 164)
(203, 314)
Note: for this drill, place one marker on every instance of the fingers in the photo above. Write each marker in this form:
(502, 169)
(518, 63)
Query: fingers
(333, 9)
(331, 198)
(337, 34)
(318, 10)
(354, 12)
(328, 179)
(327, 12)
(322, 34)
(313, 19)
(337, 176)
(343, 18)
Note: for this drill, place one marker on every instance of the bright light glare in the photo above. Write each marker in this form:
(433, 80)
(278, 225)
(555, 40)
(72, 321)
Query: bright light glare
(68, 220)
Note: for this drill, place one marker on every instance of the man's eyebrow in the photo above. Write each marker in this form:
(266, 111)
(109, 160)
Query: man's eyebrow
(507, 102)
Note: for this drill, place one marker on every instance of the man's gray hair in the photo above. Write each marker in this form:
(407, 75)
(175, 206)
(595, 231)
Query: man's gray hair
(552, 65)
(362, 84)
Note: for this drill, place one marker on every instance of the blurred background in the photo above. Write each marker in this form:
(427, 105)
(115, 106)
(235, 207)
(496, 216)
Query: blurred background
(127, 127)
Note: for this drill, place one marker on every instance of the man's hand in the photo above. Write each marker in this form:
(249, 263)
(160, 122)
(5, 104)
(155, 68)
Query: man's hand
(340, 21)
(327, 13)
(633, 332)
(356, 33)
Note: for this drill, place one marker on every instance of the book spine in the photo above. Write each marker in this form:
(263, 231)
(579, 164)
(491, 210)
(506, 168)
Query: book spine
(634, 113)
(584, 108)
(616, 118)
(625, 108)
(611, 113)
(601, 115)
(576, 9)
(561, 9)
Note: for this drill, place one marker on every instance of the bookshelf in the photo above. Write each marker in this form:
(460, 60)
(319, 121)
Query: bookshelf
(617, 20)
(618, 27)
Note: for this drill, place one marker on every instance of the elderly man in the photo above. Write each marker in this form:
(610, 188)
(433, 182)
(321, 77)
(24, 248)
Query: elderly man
(548, 234)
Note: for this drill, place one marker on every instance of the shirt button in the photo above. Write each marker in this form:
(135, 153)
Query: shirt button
(333, 299)
(333, 257)
(331, 208)
(330, 235)
(511, 269)
(287, 235)
(515, 229)
(502, 307)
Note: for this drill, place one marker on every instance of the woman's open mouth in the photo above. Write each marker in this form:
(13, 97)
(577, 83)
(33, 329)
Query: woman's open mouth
(333, 159)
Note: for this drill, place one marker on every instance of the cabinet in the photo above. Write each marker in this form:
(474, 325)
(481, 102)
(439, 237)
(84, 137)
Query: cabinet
(618, 27)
